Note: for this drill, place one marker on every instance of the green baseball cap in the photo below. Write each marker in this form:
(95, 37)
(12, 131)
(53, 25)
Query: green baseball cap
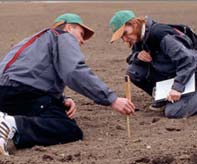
(74, 18)
(117, 23)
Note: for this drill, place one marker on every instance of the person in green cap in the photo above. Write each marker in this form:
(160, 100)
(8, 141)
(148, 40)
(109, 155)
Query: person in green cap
(159, 52)
(33, 75)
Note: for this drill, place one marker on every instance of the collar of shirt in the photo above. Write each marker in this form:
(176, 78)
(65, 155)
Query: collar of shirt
(142, 31)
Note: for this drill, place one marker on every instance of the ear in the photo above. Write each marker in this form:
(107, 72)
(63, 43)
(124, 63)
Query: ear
(68, 28)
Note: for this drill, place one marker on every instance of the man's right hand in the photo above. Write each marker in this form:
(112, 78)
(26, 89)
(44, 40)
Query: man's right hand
(123, 105)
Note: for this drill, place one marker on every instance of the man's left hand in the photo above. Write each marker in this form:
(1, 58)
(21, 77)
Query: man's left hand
(72, 107)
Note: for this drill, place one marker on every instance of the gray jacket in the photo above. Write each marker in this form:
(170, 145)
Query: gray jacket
(51, 63)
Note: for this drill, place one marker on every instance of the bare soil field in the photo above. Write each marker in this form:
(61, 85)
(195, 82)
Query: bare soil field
(154, 138)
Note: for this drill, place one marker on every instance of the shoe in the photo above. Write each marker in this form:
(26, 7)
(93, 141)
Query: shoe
(157, 106)
(6, 133)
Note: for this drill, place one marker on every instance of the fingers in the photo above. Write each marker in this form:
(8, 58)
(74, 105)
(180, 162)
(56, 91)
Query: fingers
(132, 105)
(144, 56)
(174, 96)
(128, 108)
(172, 99)
(72, 108)
(169, 98)
(71, 112)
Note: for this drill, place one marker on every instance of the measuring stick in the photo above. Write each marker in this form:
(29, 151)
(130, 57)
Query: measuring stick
(128, 96)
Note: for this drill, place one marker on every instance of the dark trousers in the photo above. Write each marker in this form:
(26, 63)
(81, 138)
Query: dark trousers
(40, 118)
(144, 76)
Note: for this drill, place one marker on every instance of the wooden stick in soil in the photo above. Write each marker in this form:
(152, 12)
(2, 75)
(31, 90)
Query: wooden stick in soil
(128, 96)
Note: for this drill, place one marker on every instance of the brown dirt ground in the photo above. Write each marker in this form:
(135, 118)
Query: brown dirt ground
(154, 138)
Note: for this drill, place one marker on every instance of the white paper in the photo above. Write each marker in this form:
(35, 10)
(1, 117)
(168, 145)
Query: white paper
(163, 88)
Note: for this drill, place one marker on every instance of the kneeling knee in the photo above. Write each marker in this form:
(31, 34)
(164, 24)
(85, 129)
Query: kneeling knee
(77, 134)
(172, 113)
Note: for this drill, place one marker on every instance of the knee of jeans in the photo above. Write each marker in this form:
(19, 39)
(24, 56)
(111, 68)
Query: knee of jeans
(136, 72)
(171, 112)
(135, 76)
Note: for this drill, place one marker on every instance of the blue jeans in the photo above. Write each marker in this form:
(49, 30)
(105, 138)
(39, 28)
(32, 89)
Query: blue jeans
(185, 107)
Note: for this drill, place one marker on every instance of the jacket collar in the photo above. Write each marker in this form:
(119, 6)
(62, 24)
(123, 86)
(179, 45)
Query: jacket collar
(149, 23)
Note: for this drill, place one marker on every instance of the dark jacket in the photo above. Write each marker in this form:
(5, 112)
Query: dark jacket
(171, 52)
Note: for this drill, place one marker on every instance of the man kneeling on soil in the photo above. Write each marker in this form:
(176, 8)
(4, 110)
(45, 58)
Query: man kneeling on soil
(33, 75)
(159, 52)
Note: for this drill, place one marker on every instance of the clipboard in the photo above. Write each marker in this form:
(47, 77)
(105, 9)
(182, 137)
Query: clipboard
(163, 88)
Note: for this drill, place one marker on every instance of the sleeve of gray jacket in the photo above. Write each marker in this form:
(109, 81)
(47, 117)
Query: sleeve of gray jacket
(77, 75)
(182, 57)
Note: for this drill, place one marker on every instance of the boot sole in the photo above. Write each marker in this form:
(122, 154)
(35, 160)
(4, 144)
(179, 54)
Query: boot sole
(161, 109)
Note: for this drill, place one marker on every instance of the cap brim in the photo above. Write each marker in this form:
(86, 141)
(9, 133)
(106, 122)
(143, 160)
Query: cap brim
(56, 24)
(118, 34)
(88, 32)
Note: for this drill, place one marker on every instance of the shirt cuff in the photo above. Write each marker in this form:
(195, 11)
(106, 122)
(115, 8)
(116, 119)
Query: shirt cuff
(178, 87)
